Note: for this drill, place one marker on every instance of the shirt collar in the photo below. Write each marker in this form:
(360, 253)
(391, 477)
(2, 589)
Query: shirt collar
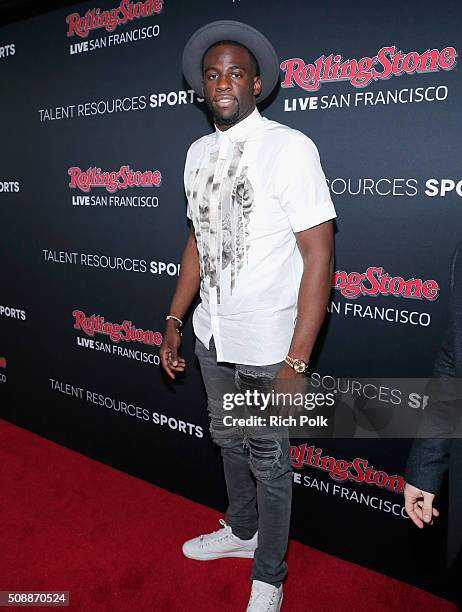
(242, 128)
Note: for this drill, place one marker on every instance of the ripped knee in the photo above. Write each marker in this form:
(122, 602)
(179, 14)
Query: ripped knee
(267, 458)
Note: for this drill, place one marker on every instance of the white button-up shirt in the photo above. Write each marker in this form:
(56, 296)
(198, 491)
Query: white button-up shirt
(249, 188)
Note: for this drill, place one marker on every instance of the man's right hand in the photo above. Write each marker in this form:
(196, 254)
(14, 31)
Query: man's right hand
(419, 505)
(168, 351)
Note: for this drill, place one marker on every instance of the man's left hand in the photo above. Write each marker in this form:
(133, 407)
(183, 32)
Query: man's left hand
(288, 381)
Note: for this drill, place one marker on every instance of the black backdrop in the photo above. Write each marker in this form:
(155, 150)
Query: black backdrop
(107, 398)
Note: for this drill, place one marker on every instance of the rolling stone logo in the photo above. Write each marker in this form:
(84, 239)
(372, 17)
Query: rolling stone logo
(120, 15)
(116, 331)
(389, 61)
(375, 281)
(358, 470)
(120, 179)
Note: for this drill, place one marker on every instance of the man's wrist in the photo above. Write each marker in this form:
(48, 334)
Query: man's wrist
(173, 323)
(289, 369)
(299, 353)
(174, 319)
(297, 363)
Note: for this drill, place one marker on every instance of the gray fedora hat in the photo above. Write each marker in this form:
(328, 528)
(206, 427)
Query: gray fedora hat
(240, 32)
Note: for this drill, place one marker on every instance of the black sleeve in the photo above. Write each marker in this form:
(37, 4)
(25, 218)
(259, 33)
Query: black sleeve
(429, 456)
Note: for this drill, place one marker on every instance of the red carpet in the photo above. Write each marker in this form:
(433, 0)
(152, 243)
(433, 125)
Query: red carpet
(113, 541)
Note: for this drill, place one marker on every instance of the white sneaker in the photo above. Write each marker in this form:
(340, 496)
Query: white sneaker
(221, 543)
(265, 597)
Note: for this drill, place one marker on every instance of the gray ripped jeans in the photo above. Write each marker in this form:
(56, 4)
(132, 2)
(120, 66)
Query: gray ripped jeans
(256, 465)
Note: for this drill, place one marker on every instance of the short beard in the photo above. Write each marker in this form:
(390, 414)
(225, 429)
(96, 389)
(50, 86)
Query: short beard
(219, 120)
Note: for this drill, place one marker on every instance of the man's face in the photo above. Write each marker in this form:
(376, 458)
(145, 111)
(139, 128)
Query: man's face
(229, 84)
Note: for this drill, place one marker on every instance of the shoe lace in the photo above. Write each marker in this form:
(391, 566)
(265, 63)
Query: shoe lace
(225, 535)
(259, 597)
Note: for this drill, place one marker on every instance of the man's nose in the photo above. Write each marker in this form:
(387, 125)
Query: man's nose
(223, 82)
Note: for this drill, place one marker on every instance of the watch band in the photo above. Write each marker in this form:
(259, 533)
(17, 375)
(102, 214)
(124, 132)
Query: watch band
(299, 365)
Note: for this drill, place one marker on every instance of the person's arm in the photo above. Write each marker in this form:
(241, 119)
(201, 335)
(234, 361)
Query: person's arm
(429, 456)
(316, 248)
(186, 289)
(301, 187)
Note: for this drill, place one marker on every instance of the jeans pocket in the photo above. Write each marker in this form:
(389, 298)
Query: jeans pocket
(264, 371)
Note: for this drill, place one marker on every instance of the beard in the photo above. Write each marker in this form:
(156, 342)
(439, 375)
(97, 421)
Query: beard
(219, 119)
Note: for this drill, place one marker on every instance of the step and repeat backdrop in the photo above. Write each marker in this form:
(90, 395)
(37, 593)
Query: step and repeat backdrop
(96, 119)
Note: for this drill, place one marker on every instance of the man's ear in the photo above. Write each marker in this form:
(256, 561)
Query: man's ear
(256, 85)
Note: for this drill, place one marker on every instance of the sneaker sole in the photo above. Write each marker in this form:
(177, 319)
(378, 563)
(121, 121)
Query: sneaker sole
(211, 556)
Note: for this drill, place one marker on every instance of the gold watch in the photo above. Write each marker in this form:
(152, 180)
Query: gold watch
(297, 364)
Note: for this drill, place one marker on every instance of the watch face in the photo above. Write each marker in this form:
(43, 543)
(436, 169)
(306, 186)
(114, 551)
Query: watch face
(299, 366)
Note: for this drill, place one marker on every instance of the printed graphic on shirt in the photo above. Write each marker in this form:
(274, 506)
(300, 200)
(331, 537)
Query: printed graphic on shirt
(220, 205)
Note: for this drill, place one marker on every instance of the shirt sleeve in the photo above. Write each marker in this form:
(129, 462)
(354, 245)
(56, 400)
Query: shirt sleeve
(301, 185)
(188, 211)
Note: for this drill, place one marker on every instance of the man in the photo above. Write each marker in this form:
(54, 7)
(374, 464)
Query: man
(260, 249)
(431, 457)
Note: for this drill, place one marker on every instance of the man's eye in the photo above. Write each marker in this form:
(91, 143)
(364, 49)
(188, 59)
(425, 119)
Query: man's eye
(238, 74)
(210, 76)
